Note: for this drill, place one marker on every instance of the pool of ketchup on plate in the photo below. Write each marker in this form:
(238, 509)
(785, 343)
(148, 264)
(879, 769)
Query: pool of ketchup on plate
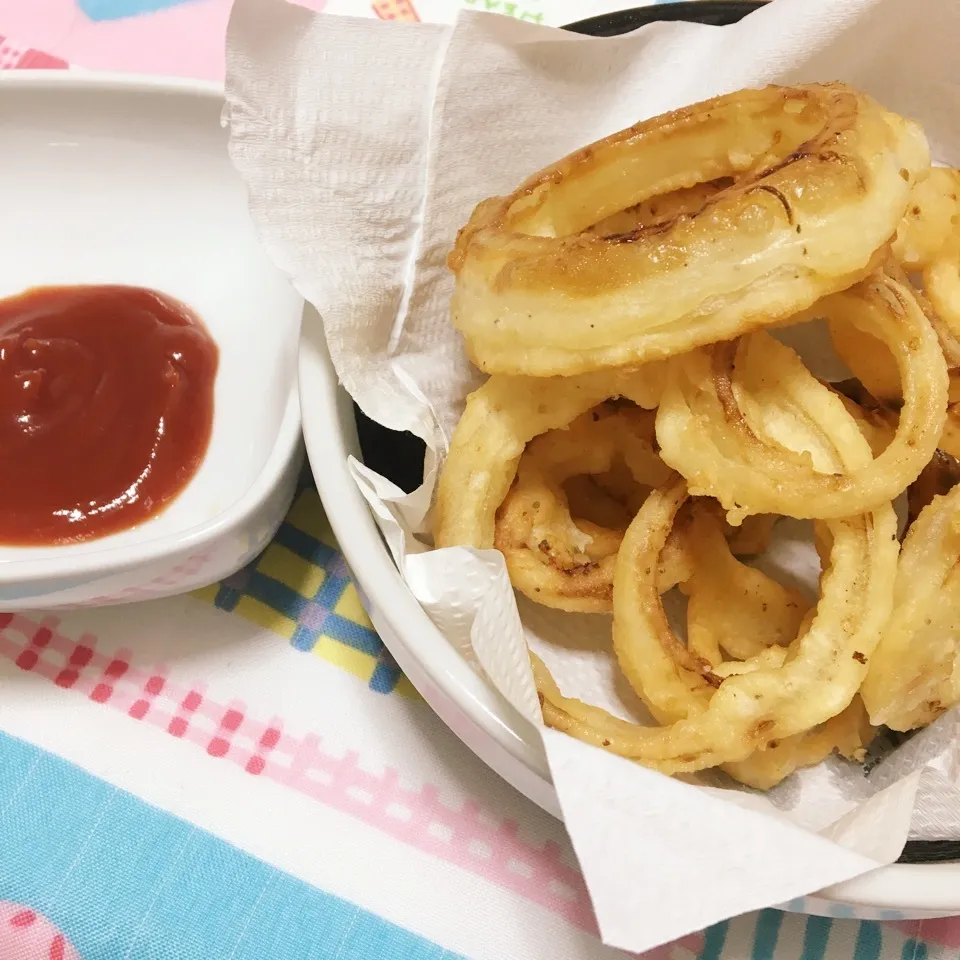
(106, 409)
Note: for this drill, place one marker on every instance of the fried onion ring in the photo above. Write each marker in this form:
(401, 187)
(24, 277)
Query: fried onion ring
(818, 679)
(941, 281)
(848, 733)
(500, 418)
(874, 366)
(731, 605)
(660, 210)
(870, 360)
(561, 550)
(933, 215)
(821, 178)
(552, 558)
(939, 477)
(732, 416)
(914, 673)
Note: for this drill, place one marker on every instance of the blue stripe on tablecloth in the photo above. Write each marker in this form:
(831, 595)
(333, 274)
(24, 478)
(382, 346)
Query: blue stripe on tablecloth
(914, 950)
(869, 942)
(309, 600)
(766, 934)
(714, 939)
(122, 879)
(98, 10)
(815, 938)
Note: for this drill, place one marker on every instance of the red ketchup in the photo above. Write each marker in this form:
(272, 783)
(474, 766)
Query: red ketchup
(106, 409)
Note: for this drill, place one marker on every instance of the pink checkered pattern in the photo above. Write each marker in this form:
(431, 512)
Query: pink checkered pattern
(182, 576)
(468, 836)
(13, 58)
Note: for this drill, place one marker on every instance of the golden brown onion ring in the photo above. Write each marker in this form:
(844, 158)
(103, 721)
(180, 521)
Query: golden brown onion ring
(675, 685)
(668, 676)
(873, 364)
(741, 421)
(590, 498)
(819, 679)
(949, 338)
(914, 673)
(733, 607)
(848, 733)
(561, 552)
(552, 558)
(821, 175)
(499, 420)
(939, 477)
(932, 217)
(876, 422)
(646, 646)
(659, 211)
(879, 422)
(870, 360)
(941, 281)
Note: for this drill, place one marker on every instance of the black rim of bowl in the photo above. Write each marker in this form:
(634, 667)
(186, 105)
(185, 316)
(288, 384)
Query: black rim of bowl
(716, 12)
(399, 456)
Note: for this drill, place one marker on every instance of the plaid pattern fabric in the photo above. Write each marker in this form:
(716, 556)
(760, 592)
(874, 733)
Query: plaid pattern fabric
(300, 589)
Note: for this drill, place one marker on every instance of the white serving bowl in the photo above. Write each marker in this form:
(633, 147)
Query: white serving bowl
(109, 179)
(469, 705)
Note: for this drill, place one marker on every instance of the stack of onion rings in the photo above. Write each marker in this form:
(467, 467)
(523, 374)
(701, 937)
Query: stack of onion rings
(500, 419)
(551, 557)
(728, 413)
(645, 267)
(561, 550)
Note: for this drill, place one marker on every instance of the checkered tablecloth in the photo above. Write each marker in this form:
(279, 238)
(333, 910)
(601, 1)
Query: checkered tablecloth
(300, 589)
(244, 773)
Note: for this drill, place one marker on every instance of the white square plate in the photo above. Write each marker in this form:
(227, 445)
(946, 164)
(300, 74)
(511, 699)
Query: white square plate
(127, 180)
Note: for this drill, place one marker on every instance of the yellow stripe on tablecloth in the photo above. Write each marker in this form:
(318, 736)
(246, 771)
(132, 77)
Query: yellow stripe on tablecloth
(350, 607)
(294, 571)
(342, 655)
(207, 594)
(265, 616)
(406, 689)
(306, 578)
(307, 515)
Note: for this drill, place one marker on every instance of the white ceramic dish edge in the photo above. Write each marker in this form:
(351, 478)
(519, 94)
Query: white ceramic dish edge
(475, 712)
(202, 553)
